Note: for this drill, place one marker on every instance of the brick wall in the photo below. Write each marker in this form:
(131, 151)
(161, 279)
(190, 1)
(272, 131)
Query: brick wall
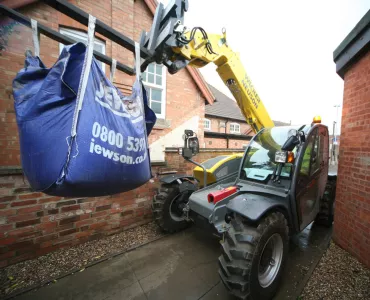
(352, 208)
(215, 125)
(212, 142)
(32, 224)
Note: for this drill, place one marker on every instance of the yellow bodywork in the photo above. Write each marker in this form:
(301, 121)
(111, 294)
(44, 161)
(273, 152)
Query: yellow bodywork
(231, 71)
(214, 48)
(211, 171)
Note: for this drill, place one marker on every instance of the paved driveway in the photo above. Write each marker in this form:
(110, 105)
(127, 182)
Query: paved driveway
(181, 266)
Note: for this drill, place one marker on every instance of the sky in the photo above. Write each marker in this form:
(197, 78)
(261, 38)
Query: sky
(286, 47)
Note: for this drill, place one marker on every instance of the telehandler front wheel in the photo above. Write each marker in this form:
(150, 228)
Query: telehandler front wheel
(168, 206)
(253, 257)
(325, 217)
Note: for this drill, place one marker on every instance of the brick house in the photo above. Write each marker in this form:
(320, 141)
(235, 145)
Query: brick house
(352, 207)
(225, 125)
(33, 224)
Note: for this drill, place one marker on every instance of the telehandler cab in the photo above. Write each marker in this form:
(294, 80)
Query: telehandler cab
(253, 202)
(277, 190)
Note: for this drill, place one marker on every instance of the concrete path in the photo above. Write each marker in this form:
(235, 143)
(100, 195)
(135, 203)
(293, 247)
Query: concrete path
(181, 266)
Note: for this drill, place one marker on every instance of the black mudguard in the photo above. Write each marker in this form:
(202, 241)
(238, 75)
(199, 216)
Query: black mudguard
(255, 206)
(173, 177)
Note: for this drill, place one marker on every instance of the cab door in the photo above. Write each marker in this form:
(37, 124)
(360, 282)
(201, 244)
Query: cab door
(308, 186)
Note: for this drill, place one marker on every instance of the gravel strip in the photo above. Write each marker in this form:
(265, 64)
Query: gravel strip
(338, 276)
(55, 264)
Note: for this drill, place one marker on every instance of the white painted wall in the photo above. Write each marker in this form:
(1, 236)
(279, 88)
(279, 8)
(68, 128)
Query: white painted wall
(172, 139)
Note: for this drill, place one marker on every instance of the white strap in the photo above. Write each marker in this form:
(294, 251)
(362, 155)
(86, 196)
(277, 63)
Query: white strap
(35, 37)
(113, 69)
(138, 73)
(137, 60)
(85, 72)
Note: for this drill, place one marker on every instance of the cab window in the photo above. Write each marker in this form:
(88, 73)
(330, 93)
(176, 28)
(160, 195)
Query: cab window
(316, 154)
(308, 153)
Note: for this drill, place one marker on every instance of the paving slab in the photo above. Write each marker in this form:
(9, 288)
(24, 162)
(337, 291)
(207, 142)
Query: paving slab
(97, 283)
(183, 266)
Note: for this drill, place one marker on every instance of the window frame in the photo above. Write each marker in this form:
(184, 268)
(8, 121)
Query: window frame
(233, 131)
(76, 33)
(162, 87)
(204, 124)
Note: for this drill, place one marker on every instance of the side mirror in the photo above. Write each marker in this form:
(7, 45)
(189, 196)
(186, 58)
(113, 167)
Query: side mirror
(191, 144)
(290, 143)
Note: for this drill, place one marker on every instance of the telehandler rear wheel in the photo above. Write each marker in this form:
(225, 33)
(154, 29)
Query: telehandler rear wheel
(325, 217)
(253, 257)
(168, 206)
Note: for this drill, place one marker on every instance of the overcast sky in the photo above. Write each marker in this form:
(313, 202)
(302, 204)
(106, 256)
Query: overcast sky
(287, 49)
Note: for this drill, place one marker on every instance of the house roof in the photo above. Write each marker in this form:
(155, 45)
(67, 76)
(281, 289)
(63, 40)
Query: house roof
(152, 4)
(225, 107)
(354, 46)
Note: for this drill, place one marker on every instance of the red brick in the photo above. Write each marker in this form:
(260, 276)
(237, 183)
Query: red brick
(104, 207)
(7, 198)
(18, 218)
(47, 225)
(7, 241)
(6, 227)
(98, 225)
(7, 212)
(69, 220)
(46, 250)
(83, 234)
(23, 203)
(30, 196)
(6, 185)
(100, 214)
(49, 199)
(64, 203)
(27, 223)
(7, 255)
(67, 232)
(30, 209)
(22, 257)
(20, 232)
(46, 238)
(84, 222)
(69, 208)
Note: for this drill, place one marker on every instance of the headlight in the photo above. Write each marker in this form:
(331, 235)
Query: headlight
(280, 156)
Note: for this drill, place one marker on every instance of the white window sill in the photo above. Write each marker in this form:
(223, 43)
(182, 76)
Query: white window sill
(162, 124)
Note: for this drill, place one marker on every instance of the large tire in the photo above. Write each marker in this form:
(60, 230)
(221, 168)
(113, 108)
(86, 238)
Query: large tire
(162, 201)
(325, 217)
(243, 248)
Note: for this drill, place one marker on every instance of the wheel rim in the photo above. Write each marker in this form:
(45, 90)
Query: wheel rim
(176, 212)
(270, 260)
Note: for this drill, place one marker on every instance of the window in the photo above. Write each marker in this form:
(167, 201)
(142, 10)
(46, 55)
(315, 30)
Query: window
(154, 79)
(80, 36)
(311, 160)
(207, 124)
(234, 128)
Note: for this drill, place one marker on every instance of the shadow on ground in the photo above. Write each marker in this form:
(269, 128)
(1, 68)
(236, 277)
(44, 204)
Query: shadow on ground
(180, 266)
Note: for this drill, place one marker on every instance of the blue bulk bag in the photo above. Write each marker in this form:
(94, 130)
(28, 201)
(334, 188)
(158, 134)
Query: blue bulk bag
(79, 135)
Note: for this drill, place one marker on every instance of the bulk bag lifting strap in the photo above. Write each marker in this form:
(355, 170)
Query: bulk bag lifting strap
(79, 135)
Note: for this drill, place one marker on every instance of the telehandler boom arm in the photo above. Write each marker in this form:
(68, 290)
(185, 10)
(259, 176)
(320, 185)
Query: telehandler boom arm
(202, 48)
(169, 42)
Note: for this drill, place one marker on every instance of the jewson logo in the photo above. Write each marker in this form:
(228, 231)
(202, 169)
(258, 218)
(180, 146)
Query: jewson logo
(122, 106)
